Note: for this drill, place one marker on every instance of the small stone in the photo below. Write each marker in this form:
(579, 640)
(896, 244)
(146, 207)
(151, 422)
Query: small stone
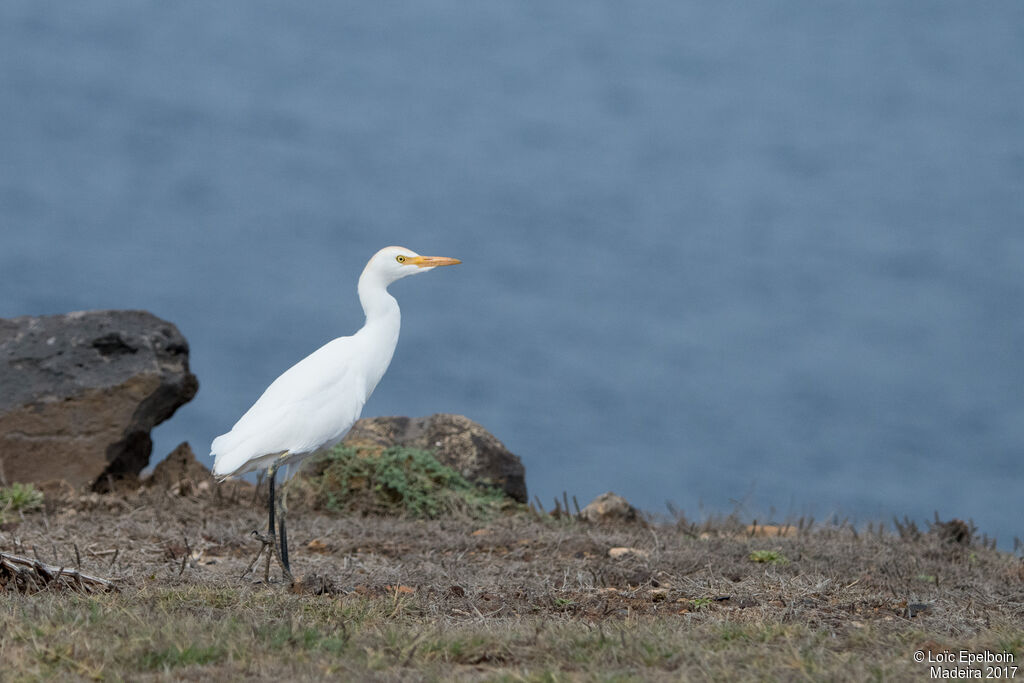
(181, 473)
(772, 530)
(57, 491)
(609, 507)
(314, 584)
(916, 608)
(618, 552)
(317, 546)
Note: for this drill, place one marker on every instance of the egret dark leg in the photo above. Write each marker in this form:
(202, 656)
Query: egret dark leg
(270, 540)
(284, 533)
(280, 551)
(272, 475)
(284, 547)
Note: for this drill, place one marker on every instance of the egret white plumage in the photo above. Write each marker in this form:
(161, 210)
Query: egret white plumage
(315, 402)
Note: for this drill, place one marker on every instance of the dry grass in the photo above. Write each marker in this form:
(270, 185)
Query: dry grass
(521, 597)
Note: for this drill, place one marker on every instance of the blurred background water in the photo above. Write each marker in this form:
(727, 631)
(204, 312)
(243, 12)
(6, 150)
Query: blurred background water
(764, 257)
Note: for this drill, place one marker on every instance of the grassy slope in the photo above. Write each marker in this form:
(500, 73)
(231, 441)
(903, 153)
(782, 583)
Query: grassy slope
(516, 598)
(239, 632)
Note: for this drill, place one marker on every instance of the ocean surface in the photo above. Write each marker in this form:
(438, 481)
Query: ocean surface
(765, 258)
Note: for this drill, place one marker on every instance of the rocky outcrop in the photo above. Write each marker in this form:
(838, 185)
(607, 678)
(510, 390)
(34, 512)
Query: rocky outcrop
(79, 393)
(609, 507)
(181, 472)
(456, 441)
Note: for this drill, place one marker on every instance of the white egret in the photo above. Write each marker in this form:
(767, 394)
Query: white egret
(315, 402)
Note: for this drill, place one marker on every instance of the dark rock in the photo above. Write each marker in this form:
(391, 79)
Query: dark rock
(608, 507)
(79, 393)
(953, 532)
(456, 441)
(314, 584)
(916, 608)
(638, 578)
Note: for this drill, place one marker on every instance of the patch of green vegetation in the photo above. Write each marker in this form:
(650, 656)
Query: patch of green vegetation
(176, 656)
(700, 603)
(19, 497)
(285, 636)
(730, 631)
(394, 480)
(1013, 643)
(768, 557)
(463, 648)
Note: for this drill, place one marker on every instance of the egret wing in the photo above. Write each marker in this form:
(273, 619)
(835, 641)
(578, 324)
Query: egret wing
(311, 404)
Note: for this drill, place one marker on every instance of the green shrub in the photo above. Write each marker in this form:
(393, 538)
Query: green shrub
(394, 480)
(19, 497)
(768, 557)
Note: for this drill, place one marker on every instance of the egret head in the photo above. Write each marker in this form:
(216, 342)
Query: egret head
(394, 263)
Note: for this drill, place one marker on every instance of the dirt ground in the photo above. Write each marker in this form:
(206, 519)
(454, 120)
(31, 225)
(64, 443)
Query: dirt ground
(521, 596)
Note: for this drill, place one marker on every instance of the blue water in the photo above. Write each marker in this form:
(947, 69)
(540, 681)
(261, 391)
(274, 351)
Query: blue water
(765, 257)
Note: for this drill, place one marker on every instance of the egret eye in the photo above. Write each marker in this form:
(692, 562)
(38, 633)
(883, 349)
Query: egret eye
(400, 258)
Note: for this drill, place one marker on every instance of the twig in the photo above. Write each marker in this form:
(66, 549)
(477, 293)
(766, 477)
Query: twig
(412, 650)
(25, 571)
(188, 554)
(255, 559)
(470, 603)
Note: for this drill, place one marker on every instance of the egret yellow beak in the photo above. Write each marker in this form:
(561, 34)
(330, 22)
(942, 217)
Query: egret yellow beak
(433, 261)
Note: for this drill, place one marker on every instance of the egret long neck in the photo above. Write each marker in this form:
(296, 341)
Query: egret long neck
(383, 321)
(378, 305)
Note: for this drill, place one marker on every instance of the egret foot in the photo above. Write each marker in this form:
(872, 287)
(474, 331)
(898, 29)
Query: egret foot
(267, 541)
(270, 547)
